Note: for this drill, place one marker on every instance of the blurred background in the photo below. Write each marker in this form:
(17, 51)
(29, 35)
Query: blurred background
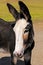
(36, 10)
(35, 7)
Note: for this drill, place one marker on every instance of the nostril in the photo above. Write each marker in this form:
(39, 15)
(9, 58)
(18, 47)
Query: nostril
(18, 54)
(15, 54)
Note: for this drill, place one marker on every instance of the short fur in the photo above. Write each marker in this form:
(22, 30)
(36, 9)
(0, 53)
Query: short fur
(7, 35)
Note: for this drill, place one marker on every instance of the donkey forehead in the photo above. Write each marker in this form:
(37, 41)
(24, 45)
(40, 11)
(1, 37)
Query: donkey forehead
(20, 24)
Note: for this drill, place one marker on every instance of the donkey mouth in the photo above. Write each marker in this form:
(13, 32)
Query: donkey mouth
(16, 58)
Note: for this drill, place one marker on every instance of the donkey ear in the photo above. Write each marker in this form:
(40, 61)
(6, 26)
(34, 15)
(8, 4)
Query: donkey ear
(24, 10)
(13, 11)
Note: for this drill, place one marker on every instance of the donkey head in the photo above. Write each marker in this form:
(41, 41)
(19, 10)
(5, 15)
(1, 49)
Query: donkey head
(21, 28)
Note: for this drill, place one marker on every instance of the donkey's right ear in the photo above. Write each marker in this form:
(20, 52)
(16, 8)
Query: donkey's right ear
(13, 11)
(24, 10)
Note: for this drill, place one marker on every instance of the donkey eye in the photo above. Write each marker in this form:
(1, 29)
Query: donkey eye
(26, 30)
(25, 35)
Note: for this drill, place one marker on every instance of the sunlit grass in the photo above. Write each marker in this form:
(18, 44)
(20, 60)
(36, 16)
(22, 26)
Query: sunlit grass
(35, 7)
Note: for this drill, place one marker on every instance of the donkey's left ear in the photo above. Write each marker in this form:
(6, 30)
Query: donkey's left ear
(24, 10)
(13, 11)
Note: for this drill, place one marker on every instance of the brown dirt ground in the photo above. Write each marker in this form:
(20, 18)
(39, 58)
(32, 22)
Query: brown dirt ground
(37, 53)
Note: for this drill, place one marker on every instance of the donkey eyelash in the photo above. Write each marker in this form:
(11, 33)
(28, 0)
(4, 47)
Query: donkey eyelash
(26, 30)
